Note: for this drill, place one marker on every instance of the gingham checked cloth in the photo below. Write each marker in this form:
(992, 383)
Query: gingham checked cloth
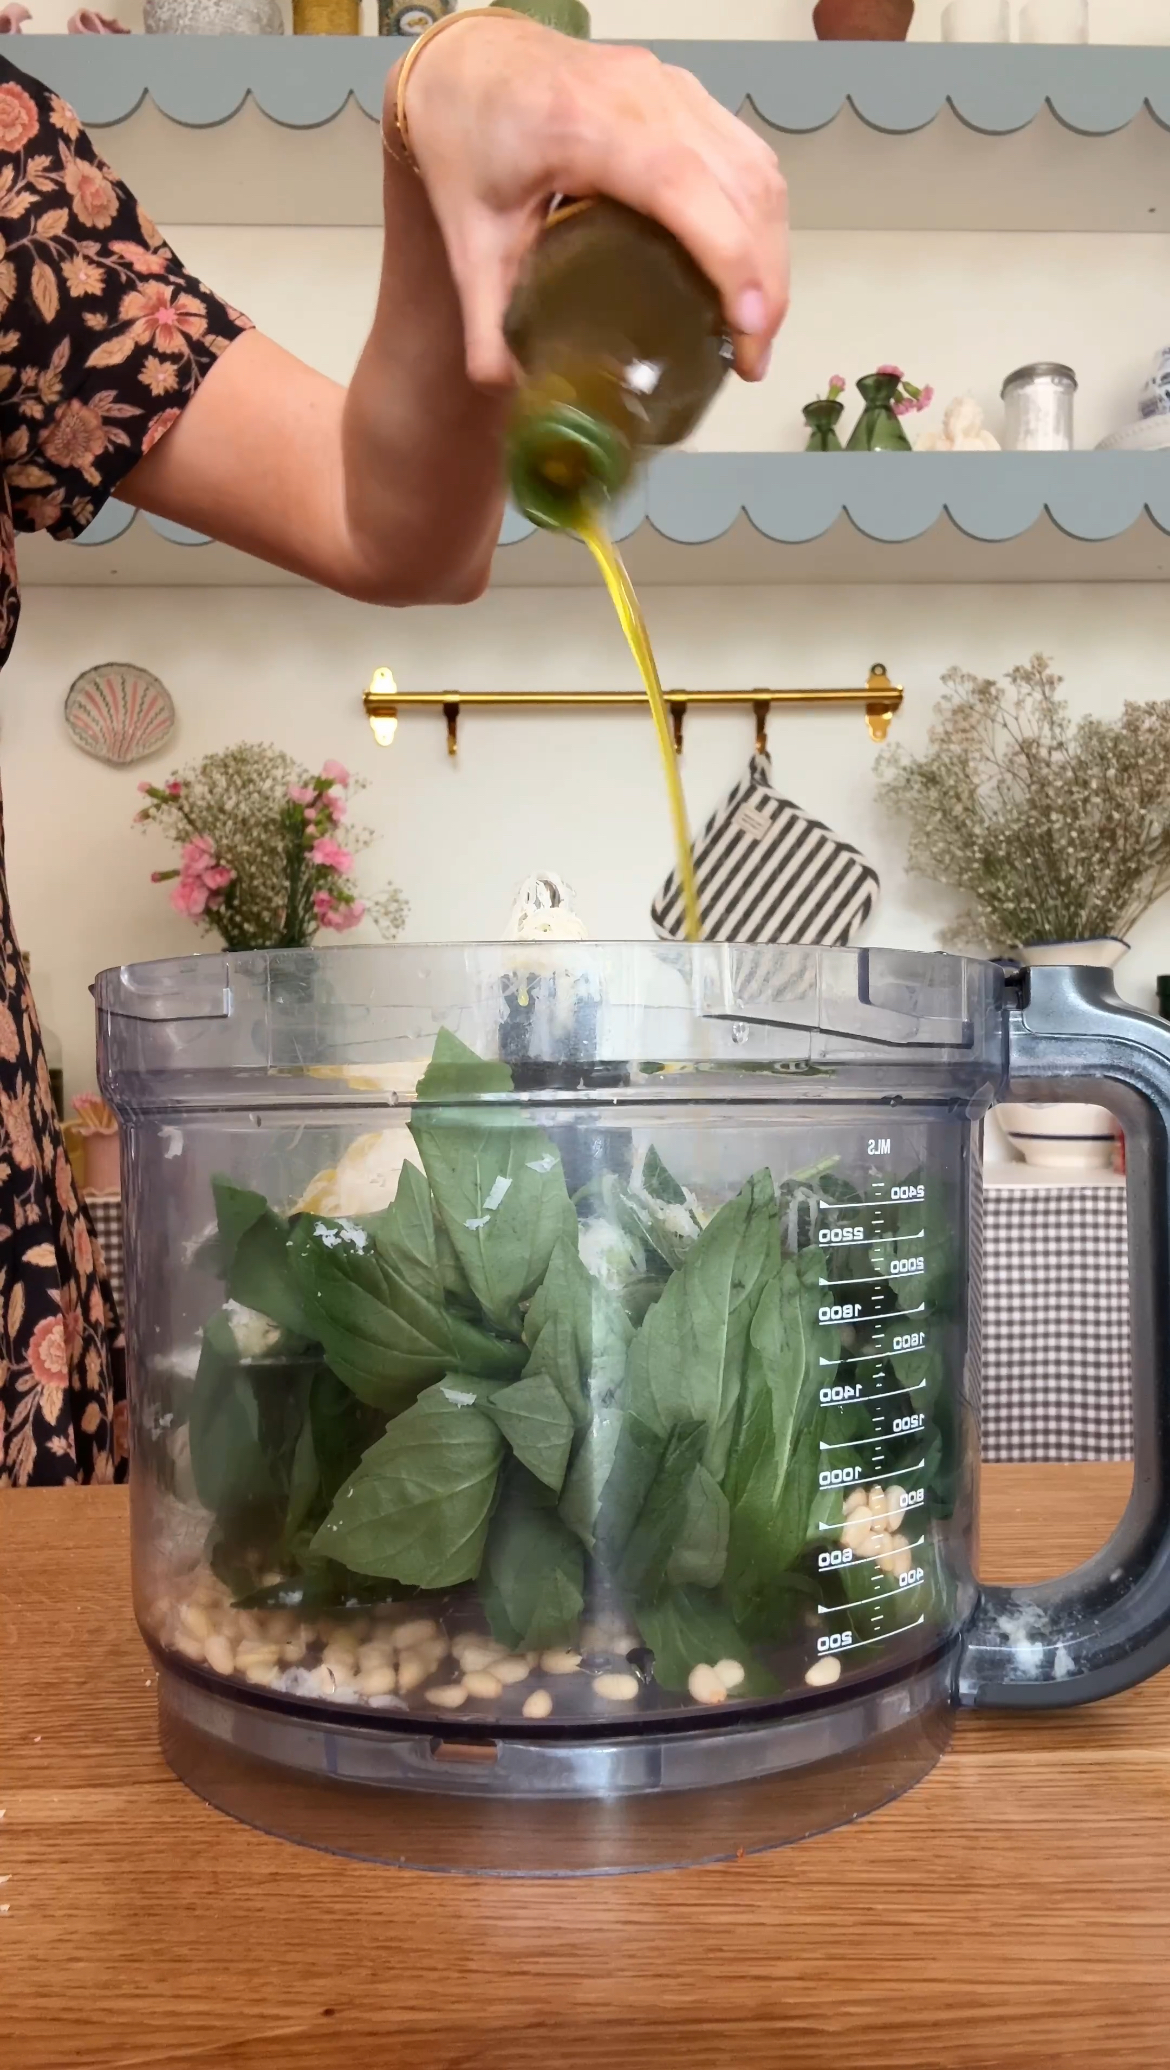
(105, 1212)
(1050, 1322)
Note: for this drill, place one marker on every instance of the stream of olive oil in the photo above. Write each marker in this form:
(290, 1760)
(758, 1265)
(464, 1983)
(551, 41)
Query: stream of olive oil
(633, 625)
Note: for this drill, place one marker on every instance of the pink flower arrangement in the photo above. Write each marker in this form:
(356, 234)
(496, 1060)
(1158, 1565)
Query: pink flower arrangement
(259, 860)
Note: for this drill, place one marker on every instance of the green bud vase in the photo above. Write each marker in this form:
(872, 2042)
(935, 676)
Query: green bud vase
(822, 418)
(878, 430)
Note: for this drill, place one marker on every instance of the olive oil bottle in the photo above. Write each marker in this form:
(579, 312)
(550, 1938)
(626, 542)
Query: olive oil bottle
(622, 345)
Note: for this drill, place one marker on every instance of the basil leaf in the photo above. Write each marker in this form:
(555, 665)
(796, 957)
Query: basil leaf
(699, 1555)
(610, 1338)
(304, 1481)
(637, 1456)
(500, 1193)
(559, 1328)
(417, 1508)
(533, 1583)
(231, 1469)
(236, 1209)
(686, 1362)
(537, 1425)
(261, 1275)
(342, 1428)
(457, 1073)
(648, 1549)
(664, 1212)
(687, 1628)
(384, 1336)
(773, 1470)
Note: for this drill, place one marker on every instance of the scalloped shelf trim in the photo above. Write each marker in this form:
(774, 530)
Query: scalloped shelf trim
(791, 498)
(302, 82)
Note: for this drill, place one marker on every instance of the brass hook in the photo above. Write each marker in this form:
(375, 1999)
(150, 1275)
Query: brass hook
(760, 708)
(678, 712)
(451, 714)
(878, 715)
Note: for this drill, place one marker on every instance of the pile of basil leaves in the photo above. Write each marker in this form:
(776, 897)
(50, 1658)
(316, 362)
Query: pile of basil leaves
(455, 1403)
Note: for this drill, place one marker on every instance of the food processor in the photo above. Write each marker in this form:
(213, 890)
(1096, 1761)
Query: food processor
(555, 1388)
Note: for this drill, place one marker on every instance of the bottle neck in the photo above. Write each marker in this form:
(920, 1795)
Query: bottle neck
(564, 461)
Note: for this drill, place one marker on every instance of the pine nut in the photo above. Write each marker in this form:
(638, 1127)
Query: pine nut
(449, 1696)
(413, 1633)
(191, 1649)
(858, 1500)
(251, 1625)
(281, 1624)
(264, 1675)
(856, 1531)
(823, 1673)
(376, 1681)
(561, 1660)
(895, 1502)
(252, 1653)
(221, 1654)
(293, 1652)
(478, 1654)
(412, 1670)
(340, 1656)
(208, 1594)
(480, 1683)
(197, 1621)
(512, 1668)
(538, 1705)
(899, 1562)
(730, 1672)
(619, 1688)
(705, 1685)
(374, 1654)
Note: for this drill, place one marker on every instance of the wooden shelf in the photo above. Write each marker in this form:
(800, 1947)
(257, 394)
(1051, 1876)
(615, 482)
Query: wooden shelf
(766, 517)
(922, 135)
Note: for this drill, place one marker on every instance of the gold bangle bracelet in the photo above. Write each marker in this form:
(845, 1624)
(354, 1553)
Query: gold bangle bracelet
(446, 21)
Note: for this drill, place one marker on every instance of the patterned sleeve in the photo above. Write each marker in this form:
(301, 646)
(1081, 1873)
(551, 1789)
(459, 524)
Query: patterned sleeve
(104, 338)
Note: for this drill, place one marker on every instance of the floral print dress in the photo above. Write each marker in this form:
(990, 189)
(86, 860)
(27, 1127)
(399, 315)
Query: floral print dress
(104, 339)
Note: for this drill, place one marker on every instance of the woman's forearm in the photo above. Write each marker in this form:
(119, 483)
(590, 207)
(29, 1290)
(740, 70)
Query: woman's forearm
(420, 446)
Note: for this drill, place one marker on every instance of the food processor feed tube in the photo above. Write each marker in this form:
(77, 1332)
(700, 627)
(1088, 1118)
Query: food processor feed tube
(553, 1391)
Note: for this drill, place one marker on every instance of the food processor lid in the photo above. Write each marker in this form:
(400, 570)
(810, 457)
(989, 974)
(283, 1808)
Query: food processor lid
(566, 1011)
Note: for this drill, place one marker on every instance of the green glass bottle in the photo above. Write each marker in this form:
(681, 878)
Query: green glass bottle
(621, 341)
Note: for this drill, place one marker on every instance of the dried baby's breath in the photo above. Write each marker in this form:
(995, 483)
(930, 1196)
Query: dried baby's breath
(1055, 831)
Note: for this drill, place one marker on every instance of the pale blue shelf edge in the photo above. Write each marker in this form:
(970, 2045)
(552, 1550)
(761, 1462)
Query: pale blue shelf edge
(693, 498)
(303, 82)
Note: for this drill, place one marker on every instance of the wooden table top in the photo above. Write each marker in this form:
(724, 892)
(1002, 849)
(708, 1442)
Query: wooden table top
(1014, 1910)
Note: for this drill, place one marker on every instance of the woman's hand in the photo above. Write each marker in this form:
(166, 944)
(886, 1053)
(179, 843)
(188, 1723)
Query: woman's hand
(502, 115)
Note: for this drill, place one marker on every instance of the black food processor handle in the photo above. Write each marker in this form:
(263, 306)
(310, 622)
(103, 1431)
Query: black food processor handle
(1107, 1625)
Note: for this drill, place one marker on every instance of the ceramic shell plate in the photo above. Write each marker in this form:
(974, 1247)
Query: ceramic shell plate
(119, 713)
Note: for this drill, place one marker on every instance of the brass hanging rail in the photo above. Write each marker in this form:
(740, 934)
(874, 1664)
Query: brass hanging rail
(383, 702)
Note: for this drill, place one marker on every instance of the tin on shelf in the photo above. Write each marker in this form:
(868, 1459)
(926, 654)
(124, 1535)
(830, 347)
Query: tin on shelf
(1038, 408)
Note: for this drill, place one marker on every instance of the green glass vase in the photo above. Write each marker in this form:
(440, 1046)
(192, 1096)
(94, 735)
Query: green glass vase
(878, 430)
(822, 418)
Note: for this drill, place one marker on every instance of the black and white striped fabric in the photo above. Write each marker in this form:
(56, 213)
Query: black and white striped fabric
(1050, 1303)
(768, 873)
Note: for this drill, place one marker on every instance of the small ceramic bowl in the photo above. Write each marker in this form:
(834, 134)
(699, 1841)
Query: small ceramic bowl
(1074, 1137)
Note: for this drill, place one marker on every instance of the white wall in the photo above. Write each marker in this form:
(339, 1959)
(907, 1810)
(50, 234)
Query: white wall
(569, 792)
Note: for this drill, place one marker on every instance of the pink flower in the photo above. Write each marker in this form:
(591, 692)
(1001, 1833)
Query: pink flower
(837, 381)
(903, 408)
(338, 914)
(895, 373)
(335, 771)
(926, 398)
(190, 896)
(146, 789)
(336, 804)
(173, 787)
(328, 854)
(302, 794)
(202, 880)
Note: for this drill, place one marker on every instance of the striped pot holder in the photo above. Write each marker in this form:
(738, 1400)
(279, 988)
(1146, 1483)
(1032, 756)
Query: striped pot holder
(768, 873)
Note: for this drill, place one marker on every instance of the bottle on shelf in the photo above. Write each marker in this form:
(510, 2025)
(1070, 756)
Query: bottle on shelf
(621, 341)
